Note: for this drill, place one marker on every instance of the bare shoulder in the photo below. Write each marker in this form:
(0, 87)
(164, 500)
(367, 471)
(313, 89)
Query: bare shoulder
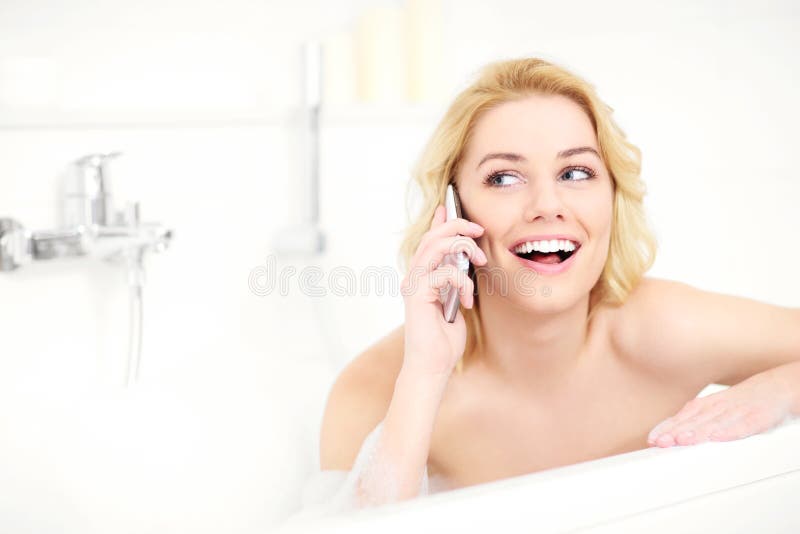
(646, 298)
(358, 400)
(700, 337)
(648, 318)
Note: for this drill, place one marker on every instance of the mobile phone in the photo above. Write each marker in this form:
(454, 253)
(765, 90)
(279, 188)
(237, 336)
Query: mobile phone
(452, 206)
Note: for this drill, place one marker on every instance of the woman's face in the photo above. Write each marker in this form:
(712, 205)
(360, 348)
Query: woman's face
(515, 180)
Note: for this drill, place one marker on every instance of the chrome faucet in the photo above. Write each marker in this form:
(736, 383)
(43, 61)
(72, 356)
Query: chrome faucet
(91, 226)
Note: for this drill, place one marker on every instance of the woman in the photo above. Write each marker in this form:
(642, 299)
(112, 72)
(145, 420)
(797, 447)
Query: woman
(580, 356)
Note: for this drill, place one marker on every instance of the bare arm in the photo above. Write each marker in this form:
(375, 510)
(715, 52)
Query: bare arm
(375, 388)
(704, 337)
(401, 455)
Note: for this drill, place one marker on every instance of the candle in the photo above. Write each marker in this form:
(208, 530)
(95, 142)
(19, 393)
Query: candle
(382, 70)
(424, 36)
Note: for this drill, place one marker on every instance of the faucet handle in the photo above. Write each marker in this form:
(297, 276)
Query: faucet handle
(15, 245)
(88, 192)
(96, 159)
(94, 171)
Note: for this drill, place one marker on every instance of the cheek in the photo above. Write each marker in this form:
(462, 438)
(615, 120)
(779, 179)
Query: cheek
(597, 214)
(495, 220)
(596, 218)
(601, 222)
(605, 221)
(489, 241)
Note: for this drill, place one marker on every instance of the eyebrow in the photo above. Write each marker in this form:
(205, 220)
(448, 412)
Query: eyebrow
(516, 157)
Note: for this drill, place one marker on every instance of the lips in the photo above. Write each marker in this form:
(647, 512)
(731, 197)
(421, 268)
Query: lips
(548, 268)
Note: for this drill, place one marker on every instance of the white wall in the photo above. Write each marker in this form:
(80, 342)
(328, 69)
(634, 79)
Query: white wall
(196, 94)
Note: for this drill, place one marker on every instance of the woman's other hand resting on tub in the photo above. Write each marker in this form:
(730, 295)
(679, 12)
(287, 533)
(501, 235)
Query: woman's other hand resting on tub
(396, 468)
(755, 405)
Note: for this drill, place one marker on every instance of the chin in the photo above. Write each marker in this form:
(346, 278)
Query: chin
(548, 299)
(543, 293)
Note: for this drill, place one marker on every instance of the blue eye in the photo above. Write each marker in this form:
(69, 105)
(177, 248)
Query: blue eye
(588, 172)
(492, 179)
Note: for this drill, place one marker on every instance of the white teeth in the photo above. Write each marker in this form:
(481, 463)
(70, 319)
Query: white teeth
(552, 245)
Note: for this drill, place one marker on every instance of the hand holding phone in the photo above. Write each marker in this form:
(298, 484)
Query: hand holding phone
(432, 346)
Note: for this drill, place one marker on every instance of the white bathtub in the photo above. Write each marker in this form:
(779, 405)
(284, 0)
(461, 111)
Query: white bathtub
(211, 458)
(749, 485)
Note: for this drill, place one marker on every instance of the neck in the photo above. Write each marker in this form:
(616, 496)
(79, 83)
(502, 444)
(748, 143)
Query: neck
(537, 349)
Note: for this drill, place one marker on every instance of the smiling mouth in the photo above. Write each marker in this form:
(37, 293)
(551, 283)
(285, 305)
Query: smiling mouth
(548, 257)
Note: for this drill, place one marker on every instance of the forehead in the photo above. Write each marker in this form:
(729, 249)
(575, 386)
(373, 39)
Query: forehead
(536, 125)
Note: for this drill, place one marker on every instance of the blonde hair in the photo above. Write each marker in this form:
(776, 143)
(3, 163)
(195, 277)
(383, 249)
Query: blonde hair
(632, 246)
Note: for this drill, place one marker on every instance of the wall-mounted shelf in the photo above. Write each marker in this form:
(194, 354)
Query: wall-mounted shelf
(353, 114)
(392, 113)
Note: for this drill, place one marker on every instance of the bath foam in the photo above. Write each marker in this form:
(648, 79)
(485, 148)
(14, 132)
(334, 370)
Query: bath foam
(375, 480)
(369, 482)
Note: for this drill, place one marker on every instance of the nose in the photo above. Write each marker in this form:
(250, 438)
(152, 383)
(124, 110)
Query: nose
(544, 203)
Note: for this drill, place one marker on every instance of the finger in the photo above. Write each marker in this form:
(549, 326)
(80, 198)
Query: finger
(446, 276)
(685, 431)
(662, 428)
(436, 251)
(666, 434)
(468, 293)
(429, 284)
(465, 292)
(441, 228)
(689, 410)
(454, 227)
(660, 435)
(693, 430)
(692, 407)
(439, 216)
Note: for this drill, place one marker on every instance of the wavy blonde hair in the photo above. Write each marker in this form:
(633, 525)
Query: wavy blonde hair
(632, 248)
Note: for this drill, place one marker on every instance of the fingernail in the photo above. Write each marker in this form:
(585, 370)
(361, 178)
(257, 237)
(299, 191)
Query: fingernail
(476, 227)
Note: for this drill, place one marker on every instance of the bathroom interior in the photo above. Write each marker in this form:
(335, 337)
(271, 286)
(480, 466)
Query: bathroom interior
(186, 189)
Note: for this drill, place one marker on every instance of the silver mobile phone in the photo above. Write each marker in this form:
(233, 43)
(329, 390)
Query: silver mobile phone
(459, 259)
